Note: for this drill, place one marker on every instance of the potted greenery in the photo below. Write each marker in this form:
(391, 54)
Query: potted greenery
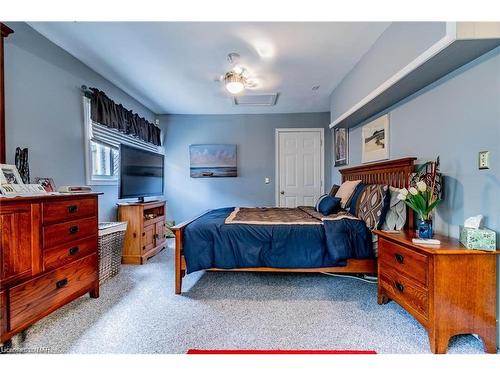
(424, 197)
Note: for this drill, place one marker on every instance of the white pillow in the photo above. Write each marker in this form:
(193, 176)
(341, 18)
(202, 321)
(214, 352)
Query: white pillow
(396, 216)
(346, 190)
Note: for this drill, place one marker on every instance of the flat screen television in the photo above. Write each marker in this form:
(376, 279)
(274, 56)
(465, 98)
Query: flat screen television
(141, 173)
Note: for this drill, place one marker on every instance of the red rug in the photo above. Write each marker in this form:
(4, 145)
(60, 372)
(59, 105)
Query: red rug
(250, 351)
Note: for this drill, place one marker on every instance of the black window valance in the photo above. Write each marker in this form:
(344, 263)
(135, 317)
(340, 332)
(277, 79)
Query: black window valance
(106, 112)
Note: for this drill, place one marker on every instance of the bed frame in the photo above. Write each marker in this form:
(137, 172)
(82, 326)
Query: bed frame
(391, 172)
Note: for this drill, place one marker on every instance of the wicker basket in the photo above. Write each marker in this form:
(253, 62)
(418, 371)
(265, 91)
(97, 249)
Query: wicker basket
(111, 237)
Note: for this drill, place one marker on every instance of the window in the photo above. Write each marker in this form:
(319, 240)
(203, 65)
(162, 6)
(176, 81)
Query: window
(102, 150)
(105, 161)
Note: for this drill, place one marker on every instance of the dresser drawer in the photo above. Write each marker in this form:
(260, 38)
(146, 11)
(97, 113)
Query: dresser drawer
(61, 255)
(53, 212)
(58, 234)
(404, 260)
(408, 293)
(45, 293)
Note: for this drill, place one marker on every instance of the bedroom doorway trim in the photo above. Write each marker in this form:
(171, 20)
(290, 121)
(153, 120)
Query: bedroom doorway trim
(280, 131)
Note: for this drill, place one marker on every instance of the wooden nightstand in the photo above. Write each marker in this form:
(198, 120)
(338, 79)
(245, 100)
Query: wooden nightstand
(449, 289)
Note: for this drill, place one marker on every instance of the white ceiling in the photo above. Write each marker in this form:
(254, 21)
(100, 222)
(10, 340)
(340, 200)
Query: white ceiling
(170, 66)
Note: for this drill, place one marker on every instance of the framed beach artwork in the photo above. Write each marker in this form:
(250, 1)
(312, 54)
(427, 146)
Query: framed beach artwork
(341, 146)
(213, 160)
(375, 140)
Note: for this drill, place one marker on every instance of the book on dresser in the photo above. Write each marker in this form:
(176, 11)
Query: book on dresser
(145, 236)
(448, 288)
(48, 256)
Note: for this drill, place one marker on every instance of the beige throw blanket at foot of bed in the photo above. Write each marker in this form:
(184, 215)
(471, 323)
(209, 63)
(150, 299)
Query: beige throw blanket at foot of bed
(270, 215)
(302, 215)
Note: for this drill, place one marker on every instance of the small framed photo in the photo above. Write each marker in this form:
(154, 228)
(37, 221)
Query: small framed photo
(375, 140)
(341, 146)
(47, 183)
(10, 175)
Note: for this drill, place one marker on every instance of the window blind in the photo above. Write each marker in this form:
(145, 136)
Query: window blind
(115, 138)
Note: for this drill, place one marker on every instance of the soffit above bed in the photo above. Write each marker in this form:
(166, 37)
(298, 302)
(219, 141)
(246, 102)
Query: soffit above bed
(462, 43)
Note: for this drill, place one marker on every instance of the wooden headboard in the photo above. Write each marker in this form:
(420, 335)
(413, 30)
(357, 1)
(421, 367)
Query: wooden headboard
(392, 172)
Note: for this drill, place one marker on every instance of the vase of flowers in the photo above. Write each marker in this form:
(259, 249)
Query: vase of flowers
(424, 197)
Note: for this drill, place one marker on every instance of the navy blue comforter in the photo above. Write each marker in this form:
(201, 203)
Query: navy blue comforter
(210, 243)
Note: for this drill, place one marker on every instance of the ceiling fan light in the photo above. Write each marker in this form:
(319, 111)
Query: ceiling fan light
(238, 69)
(235, 87)
(234, 83)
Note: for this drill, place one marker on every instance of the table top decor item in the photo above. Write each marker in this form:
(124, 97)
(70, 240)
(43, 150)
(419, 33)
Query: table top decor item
(424, 195)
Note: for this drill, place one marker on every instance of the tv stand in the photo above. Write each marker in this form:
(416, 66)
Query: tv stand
(145, 236)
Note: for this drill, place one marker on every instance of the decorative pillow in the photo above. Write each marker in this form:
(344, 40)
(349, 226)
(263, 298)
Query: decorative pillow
(396, 215)
(334, 190)
(327, 204)
(373, 204)
(345, 192)
(353, 202)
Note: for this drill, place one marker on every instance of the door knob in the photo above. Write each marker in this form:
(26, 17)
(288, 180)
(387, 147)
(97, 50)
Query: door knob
(282, 192)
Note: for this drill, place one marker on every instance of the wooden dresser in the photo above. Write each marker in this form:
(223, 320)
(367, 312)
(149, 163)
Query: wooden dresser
(48, 256)
(449, 289)
(145, 236)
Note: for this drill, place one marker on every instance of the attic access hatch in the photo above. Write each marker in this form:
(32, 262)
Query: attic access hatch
(256, 100)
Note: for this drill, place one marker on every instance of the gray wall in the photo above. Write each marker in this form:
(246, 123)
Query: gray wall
(399, 44)
(44, 109)
(455, 118)
(254, 136)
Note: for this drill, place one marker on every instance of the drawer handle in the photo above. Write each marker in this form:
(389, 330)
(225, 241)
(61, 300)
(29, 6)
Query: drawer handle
(74, 250)
(399, 287)
(400, 259)
(72, 209)
(74, 229)
(62, 283)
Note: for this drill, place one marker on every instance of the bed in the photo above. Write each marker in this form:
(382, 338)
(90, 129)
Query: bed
(228, 227)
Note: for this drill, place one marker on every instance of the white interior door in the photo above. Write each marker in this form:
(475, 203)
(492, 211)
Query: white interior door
(300, 166)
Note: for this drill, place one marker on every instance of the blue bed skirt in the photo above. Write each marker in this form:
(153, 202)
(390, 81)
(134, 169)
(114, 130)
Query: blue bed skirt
(210, 243)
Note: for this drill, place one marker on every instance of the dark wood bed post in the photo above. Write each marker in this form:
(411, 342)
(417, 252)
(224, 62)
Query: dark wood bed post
(180, 263)
(391, 172)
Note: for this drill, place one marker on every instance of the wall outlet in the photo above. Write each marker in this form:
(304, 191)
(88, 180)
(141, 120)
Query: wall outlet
(484, 159)
(267, 180)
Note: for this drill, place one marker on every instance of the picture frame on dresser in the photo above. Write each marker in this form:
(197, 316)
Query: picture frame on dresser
(10, 175)
(47, 183)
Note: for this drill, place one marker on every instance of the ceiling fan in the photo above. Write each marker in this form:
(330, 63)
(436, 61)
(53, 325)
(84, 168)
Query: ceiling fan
(236, 80)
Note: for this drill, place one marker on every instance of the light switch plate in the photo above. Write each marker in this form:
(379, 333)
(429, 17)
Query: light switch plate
(267, 180)
(484, 159)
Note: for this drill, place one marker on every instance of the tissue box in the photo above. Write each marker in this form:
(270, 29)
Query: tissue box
(482, 238)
